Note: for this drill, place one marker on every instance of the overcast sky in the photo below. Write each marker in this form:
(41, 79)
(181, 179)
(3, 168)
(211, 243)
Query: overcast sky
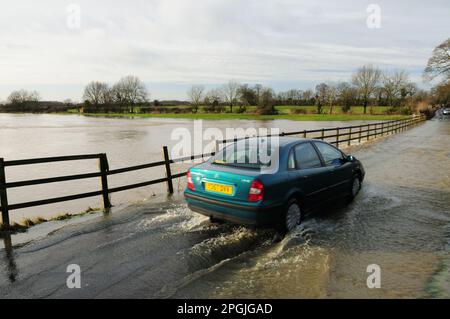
(171, 44)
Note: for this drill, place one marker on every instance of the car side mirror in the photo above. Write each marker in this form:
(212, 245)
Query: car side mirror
(351, 158)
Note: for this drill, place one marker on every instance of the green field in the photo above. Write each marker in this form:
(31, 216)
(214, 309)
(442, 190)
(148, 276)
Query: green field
(285, 112)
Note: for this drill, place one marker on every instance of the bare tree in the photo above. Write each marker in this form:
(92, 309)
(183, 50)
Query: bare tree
(308, 97)
(195, 95)
(346, 95)
(441, 94)
(258, 90)
(96, 93)
(439, 63)
(23, 96)
(266, 104)
(366, 80)
(130, 90)
(230, 93)
(409, 89)
(247, 97)
(331, 96)
(213, 100)
(321, 96)
(393, 84)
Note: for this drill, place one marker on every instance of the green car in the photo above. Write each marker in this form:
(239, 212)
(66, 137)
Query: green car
(296, 176)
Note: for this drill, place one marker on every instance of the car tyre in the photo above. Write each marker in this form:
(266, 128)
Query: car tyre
(355, 187)
(292, 216)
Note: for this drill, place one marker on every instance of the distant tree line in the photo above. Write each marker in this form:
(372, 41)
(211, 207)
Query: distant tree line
(30, 101)
(367, 87)
(123, 96)
(232, 95)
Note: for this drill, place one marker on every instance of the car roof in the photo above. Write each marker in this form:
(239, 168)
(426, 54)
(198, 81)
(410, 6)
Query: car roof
(285, 140)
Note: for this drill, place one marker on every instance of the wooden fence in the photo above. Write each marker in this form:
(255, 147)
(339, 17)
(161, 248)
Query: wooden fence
(336, 136)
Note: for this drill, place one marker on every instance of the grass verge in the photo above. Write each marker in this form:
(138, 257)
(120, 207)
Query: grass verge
(30, 222)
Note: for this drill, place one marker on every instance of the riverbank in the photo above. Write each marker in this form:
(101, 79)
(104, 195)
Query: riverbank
(248, 116)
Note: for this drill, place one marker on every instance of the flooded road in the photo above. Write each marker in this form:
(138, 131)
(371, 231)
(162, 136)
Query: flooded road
(400, 221)
(126, 141)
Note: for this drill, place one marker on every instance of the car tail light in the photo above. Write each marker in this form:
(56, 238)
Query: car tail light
(256, 192)
(190, 184)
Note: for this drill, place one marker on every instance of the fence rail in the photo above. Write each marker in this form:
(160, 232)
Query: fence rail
(337, 136)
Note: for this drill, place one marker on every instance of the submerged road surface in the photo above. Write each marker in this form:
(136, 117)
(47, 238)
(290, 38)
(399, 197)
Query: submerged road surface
(400, 222)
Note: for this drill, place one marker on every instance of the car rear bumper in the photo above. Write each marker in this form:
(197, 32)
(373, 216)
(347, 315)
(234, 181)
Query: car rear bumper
(233, 212)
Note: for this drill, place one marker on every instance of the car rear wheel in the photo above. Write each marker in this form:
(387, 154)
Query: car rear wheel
(292, 216)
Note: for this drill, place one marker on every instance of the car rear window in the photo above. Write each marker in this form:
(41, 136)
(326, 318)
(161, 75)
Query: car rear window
(245, 155)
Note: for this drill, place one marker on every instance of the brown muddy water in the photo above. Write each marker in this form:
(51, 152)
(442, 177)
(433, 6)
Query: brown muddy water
(400, 221)
(126, 142)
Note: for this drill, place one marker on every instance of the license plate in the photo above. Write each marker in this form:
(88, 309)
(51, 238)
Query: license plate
(218, 188)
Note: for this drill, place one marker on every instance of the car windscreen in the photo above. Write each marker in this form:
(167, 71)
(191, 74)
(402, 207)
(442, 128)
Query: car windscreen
(245, 154)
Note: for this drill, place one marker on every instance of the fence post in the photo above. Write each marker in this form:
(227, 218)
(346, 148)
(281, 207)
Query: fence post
(323, 134)
(304, 133)
(368, 131)
(337, 137)
(359, 136)
(350, 136)
(3, 195)
(104, 168)
(168, 171)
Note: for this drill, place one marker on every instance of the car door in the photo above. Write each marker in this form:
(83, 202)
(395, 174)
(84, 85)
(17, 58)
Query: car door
(339, 170)
(306, 172)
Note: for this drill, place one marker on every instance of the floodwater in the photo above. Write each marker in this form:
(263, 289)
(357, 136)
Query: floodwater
(126, 142)
(400, 221)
